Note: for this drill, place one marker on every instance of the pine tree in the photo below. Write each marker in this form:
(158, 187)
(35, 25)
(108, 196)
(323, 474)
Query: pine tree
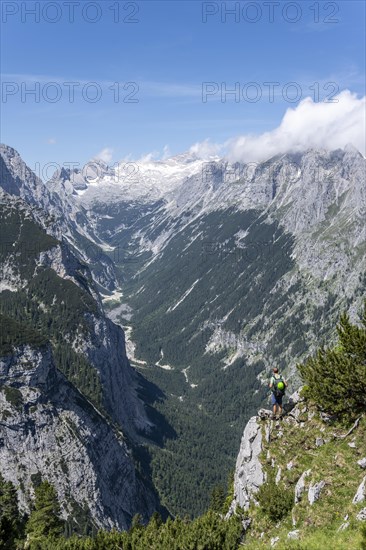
(44, 521)
(9, 515)
(336, 377)
(217, 498)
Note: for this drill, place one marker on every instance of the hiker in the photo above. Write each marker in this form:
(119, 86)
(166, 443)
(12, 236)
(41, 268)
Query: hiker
(278, 386)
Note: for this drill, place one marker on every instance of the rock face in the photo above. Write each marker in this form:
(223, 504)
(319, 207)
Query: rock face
(249, 474)
(48, 429)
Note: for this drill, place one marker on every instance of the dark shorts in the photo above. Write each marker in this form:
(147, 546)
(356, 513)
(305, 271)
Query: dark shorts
(276, 400)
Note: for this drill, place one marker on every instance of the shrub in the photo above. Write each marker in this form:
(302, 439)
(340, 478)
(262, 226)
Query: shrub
(275, 500)
(336, 377)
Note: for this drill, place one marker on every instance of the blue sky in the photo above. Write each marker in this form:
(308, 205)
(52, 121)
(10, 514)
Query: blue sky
(166, 51)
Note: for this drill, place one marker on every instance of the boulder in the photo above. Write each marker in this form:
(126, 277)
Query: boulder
(319, 441)
(293, 534)
(362, 462)
(278, 476)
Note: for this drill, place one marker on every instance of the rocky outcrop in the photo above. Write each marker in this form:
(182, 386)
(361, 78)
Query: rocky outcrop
(314, 491)
(48, 429)
(305, 457)
(300, 486)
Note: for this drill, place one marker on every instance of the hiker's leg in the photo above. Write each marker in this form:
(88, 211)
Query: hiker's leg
(274, 405)
(279, 401)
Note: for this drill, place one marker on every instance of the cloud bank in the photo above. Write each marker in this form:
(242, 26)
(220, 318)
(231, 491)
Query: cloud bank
(309, 125)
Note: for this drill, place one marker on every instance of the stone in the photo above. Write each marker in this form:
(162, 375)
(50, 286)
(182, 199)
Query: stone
(319, 442)
(264, 414)
(300, 486)
(274, 541)
(344, 526)
(362, 462)
(293, 534)
(295, 397)
(326, 417)
(361, 516)
(267, 433)
(246, 523)
(290, 465)
(314, 491)
(352, 445)
(361, 492)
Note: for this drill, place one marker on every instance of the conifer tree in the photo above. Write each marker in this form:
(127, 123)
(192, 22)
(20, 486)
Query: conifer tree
(336, 377)
(44, 521)
(9, 515)
(217, 498)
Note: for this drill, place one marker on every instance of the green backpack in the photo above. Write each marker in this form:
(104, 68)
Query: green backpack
(279, 386)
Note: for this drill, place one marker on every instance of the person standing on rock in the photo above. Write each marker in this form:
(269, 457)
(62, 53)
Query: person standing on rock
(278, 386)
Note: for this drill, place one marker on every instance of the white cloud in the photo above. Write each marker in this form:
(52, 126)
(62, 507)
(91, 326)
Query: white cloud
(51, 141)
(105, 155)
(205, 149)
(309, 125)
